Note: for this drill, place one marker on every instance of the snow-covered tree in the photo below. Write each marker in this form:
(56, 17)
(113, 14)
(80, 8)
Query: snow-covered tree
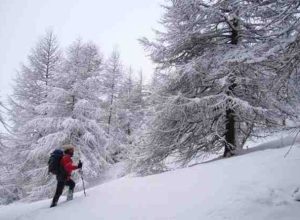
(9, 191)
(2, 123)
(112, 79)
(77, 103)
(131, 111)
(70, 114)
(111, 86)
(30, 91)
(139, 103)
(125, 115)
(32, 82)
(131, 101)
(289, 91)
(226, 61)
(1, 112)
(137, 106)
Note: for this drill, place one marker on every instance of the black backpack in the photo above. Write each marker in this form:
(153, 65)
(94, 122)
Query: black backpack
(54, 162)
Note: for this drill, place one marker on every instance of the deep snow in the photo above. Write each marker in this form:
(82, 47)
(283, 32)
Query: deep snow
(257, 185)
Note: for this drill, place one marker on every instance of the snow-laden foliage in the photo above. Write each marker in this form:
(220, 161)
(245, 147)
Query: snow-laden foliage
(74, 106)
(3, 127)
(131, 116)
(122, 106)
(78, 98)
(112, 79)
(30, 90)
(228, 64)
(68, 115)
(54, 105)
(9, 191)
(2, 124)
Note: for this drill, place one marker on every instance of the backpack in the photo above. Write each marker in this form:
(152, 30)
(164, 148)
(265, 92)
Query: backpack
(54, 162)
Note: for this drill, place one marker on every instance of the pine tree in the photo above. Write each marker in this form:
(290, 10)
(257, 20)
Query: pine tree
(223, 62)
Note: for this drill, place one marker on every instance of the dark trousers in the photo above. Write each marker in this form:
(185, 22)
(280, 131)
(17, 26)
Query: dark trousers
(60, 187)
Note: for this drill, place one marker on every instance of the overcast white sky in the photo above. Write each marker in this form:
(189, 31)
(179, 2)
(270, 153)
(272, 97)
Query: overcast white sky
(106, 22)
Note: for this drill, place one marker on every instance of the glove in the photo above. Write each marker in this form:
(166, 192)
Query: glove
(79, 165)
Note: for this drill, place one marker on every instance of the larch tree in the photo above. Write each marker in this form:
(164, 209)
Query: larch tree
(32, 86)
(32, 83)
(2, 124)
(112, 81)
(9, 192)
(226, 63)
(3, 127)
(70, 115)
(137, 107)
(126, 114)
(131, 111)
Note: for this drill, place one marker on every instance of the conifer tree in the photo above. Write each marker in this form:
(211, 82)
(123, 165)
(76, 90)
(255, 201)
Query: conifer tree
(223, 62)
(112, 82)
(131, 110)
(111, 86)
(32, 83)
(70, 115)
(31, 90)
(3, 126)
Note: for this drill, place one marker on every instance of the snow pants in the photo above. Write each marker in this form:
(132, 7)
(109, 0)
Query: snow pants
(60, 187)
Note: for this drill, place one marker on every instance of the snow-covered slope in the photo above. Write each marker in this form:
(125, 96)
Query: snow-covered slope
(258, 185)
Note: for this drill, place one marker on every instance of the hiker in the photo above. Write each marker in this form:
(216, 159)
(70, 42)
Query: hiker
(64, 176)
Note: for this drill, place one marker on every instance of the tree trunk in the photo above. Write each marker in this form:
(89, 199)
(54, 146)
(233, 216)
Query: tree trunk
(109, 120)
(111, 105)
(230, 119)
(230, 133)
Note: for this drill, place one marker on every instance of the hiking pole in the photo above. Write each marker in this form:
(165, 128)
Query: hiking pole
(81, 175)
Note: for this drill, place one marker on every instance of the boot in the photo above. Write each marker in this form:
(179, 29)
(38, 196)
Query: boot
(70, 195)
(53, 204)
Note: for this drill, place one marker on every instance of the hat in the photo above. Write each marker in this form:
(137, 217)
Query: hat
(68, 147)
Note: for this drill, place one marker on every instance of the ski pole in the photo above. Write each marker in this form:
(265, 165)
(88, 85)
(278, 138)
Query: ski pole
(81, 175)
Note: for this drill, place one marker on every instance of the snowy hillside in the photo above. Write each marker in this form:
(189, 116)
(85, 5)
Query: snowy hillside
(257, 185)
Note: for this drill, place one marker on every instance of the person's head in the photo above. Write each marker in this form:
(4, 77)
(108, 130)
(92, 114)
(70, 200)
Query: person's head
(68, 149)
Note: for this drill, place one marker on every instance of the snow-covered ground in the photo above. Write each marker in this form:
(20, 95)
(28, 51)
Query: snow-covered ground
(257, 185)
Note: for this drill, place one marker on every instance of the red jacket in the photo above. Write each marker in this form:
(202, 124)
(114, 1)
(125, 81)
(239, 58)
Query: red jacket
(67, 163)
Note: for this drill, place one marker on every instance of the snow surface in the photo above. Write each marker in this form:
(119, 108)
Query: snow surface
(257, 185)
